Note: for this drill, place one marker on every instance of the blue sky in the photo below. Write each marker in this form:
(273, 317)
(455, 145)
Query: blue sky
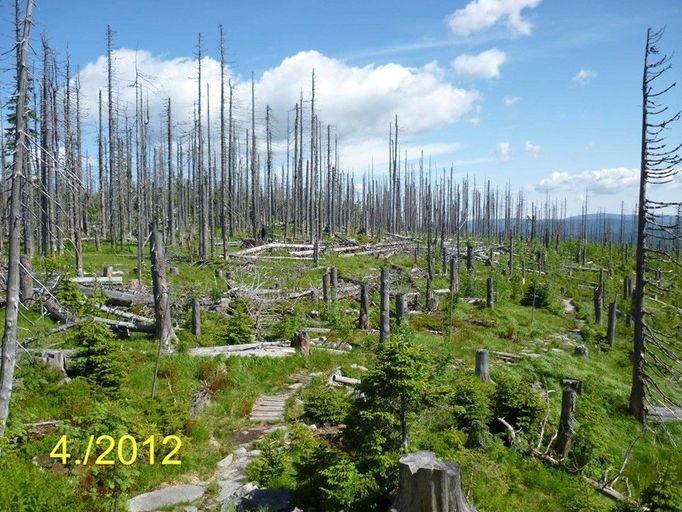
(543, 94)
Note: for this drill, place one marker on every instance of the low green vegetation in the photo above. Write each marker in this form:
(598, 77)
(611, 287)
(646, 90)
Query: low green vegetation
(419, 392)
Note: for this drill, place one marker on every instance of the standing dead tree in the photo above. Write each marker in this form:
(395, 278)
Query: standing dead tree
(657, 355)
(9, 338)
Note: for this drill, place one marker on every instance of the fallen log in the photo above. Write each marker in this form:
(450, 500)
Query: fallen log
(122, 325)
(97, 279)
(119, 298)
(58, 312)
(125, 314)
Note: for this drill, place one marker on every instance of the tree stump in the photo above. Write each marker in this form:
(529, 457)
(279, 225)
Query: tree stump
(301, 343)
(611, 326)
(428, 484)
(219, 273)
(470, 257)
(316, 252)
(196, 317)
(326, 285)
(490, 294)
(454, 274)
(598, 304)
(108, 271)
(25, 280)
(334, 274)
(580, 351)
(174, 270)
(363, 320)
(385, 327)
(571, 388)
(483, 364)
(402, 309)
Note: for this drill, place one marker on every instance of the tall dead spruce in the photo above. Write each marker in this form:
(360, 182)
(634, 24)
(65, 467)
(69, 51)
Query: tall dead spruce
(657, 355)
(9, 338)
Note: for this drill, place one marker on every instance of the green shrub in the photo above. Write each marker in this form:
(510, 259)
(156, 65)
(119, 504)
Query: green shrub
(24, 487)
(287, 328)
(471, 401)
(326, 405)
(274, 459)
(663, 495)
(239, 325)
(95, 359)
(516, 400)
(539, 293)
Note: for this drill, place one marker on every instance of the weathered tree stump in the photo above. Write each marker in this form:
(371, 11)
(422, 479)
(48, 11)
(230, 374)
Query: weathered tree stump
(402, 309)
(483, 364)
(523, 271)
(470, 257)
(428, 484)
(173, 270)
(571, 388)
(301, 343)
(108, 271)
(326, 285)
(454, 274)
(581, 351)
(385, 316)
(25, 280)
(598, 304)
(219, 273)
(363, 319)
(196, 317)
(334, 274)
(611, 326)
(316, 252)
(490, 294)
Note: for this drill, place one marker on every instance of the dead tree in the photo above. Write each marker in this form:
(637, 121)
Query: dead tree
(9, 338)
(196, 317)
(402, 309)
(657, 355)
(162, 304)
(385, 326)
(597, 298)
(490, 294)
(571, 388)
(482, 368)
(611, 325)
(363, 319)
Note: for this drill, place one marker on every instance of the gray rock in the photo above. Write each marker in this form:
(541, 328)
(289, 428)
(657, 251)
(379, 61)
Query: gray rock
(270, 500)
(165, 497)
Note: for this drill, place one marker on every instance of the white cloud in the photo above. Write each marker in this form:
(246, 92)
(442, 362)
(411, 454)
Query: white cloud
(532, 149)
(363, 100)
(503, 151)
(483, 65)
(474, 121)
(584, 77)
(602, 181)
(359, 101)
(479, 15)
(510, 100)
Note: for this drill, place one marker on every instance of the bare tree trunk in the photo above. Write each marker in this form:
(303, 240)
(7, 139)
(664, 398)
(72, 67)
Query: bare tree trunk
(9, 338)
(162, 304)
(571, 388)
(385, 327)
(363, 320)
